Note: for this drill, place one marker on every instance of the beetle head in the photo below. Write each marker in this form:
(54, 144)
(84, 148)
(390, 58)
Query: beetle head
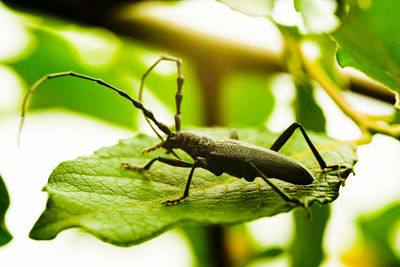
(173, 141)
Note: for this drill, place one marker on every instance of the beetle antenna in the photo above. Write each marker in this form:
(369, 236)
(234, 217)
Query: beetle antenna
(147, 113)
(178, 95)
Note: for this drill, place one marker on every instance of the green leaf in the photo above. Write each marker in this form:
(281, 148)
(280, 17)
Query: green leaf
(309, 232)
(264, 256)
(123, 71)
(124, 207)
(242, 88)
(377, 230)
(199, 239)
(52, 53)
(396, 116)
(5, 236)
(376, 241)
(308, 112)
(369, 40)
(310, 115)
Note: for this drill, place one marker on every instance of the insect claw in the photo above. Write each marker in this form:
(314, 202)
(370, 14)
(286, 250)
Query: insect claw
(125, 165)
(335, 168)
(345, 173)
(331, 168)
(128, 166)
(173, 202)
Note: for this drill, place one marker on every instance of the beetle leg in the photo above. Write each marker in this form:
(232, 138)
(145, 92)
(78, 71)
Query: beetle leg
(284, 137)
(169, 161)
(199, 162)
(282, 193)
(185, 193)
(152, 148)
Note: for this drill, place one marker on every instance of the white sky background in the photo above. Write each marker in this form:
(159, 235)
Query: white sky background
(25, 171)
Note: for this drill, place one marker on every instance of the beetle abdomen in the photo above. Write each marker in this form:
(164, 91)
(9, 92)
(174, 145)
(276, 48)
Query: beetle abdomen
(233, 157)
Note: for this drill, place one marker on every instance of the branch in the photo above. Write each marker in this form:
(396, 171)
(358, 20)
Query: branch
(368, 124)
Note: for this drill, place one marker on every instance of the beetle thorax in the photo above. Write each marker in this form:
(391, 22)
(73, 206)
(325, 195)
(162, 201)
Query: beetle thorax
(195, 144)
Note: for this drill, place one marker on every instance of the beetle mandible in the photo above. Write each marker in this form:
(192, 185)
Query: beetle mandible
(231, 156)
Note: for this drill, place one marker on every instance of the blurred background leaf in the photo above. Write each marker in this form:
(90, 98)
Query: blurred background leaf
(5, 235)
(310, 232)
(307, 246)
(247, 99)
(51, 52)
(369, 40)
(376, 242)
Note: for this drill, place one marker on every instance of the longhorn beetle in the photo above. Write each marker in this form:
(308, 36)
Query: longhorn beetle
(237, 158)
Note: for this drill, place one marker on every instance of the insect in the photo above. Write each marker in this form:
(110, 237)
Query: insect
(231, 156)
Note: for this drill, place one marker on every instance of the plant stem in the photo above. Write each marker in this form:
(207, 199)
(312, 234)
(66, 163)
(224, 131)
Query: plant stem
(367, 124)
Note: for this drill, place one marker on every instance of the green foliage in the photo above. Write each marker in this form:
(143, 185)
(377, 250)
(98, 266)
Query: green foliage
(51, 52)
(377, 229)
(306, 248)
(396, 117)
(308, 112)
(239, 91)
(327, 59)
(5, 236)
(309, 232)
(376, 239)
(369, 40)
(198, 236)
(264, 256)
(124, 207)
